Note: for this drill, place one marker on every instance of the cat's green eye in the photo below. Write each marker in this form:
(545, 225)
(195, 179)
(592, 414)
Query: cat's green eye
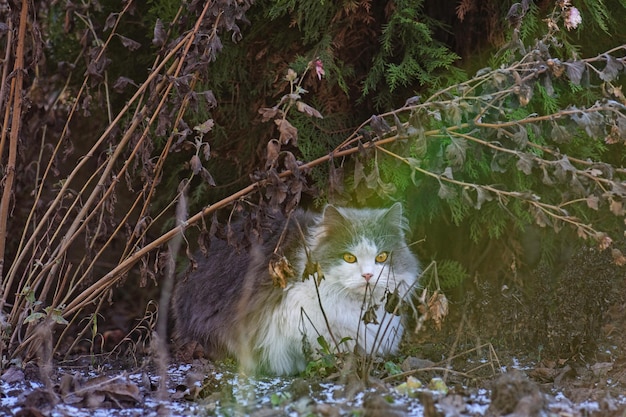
(349, 258)
(382, 257)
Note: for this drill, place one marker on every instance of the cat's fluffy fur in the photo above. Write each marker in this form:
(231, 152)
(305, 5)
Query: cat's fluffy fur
(230, 304)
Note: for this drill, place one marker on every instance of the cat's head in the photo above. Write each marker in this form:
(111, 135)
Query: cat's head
(364, 250)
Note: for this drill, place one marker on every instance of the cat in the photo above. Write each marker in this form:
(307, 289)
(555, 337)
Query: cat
(348, 267)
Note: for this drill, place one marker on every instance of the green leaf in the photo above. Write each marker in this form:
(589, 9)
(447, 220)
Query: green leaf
(392, 368)
(34, 317)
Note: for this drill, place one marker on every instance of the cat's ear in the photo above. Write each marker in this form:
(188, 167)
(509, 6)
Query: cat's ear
(394, 215)
(332, 215)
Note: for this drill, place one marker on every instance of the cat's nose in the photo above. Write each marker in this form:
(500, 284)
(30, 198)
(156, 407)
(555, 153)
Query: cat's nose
(367, 276)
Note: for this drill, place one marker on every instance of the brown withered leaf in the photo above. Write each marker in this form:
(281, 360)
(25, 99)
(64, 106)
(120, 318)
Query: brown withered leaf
(204, 127)
(438, 308)
(129, 44)
(592, 202)
(271, 153)
(159, 34)
(280, 270)
(370, 315)
(612, 69)
(288, 133)
(392, 303)
(110, 21)
(121, 83)
(268, 113)
(195, 164)
(379, 125)
(276, 189)
(313, 269)
(575, 71)
(617, 207)
(618, 257)
(207, 177)
(92, 393)
(290, 162)
(308, 110)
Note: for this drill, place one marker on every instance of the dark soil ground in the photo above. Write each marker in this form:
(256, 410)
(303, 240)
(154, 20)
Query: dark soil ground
(549, 342)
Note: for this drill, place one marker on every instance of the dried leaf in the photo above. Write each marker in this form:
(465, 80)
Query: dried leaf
(591, 122)
(453, 113)
(592, 202)
(446, 192)
(159, 34)
(370, 315)
(209, 97)
(560, 134)
(412, 101)
(121, 83)
(335, 178)
(313, 269)
(110, 21)
(616, 207)
(618, 257)
(268, 113)
(400, 128)
(562, 167)
(129, 44)
(482, 195)
(195, 164)
(456, 151)
(207, 177)
(276, 189)
(379, 125)
(546, 179)
(525, 163)
(359, 173)
(288, 133)
(420, 143)
(521, 137)
(392, 303)
(611, 70)
(308, 110)
(280, 271)
(499, 161)
(575, 71)
(541, 219)
(618, 188)
(271, 153)
(438, 308)
(204, 127)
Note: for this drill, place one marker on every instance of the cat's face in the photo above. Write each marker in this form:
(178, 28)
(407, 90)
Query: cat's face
(359, 251)
(363, 266)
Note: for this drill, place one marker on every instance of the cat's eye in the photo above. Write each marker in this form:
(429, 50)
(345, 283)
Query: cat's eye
(382, 257)
(349, 258)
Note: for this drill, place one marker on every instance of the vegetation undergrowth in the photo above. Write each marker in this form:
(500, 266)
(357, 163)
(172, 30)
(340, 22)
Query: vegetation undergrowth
(114, 143)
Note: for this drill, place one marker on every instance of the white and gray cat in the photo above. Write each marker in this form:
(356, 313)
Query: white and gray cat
(231, 305)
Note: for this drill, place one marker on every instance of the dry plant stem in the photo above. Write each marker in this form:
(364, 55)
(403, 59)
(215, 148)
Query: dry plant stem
(157, 169)
(22, 250)
(87, 207)
(178, 65)
(16, 92)
(3, 87)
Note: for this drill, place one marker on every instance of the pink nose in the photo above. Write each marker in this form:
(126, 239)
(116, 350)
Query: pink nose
(367, 276)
